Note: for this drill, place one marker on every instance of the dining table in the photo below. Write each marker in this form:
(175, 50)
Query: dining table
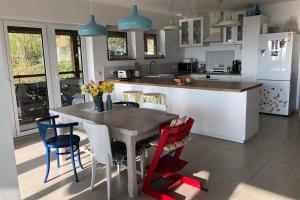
(128, 125)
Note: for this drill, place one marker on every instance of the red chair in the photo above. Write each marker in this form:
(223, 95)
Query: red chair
(169, 165)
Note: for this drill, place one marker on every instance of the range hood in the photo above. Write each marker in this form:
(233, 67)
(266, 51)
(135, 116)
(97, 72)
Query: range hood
(215, 33)
(214, 37)
(227, 23)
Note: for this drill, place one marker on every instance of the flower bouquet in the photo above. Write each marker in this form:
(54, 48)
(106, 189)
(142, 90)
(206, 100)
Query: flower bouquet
(97, 90)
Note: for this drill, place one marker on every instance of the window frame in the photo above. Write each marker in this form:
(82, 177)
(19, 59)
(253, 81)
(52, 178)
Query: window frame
(150, 36)
(75, 44)
(72, 33)
(117, 34)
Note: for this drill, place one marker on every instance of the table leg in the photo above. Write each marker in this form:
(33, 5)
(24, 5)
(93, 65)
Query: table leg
(131, 165)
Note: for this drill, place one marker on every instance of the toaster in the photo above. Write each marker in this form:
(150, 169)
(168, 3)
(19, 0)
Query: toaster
(124, 74)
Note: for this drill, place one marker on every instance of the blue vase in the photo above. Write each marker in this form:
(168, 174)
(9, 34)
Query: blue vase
(108, 103)
(257, 9)
(249, 12)
(100, 104)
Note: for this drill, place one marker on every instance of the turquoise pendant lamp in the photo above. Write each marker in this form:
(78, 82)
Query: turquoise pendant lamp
(92, 28)
(134, 22)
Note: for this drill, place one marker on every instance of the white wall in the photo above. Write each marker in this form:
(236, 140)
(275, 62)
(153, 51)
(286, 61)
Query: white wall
(9, 188)
(280, 13)
(173, 53)
(8, 174)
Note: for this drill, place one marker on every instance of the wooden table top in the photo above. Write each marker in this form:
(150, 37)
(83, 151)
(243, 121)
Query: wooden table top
(126, 120)
(201, 85)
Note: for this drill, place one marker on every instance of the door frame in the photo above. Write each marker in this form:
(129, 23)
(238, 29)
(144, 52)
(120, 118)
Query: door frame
(50, 59)
(51, 27)
(7, 80)
(43, 27)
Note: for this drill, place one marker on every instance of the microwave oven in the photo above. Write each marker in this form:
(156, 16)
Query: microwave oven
(188, 67)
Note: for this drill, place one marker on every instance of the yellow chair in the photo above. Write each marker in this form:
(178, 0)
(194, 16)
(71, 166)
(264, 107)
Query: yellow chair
(156, 98)
(133, 96)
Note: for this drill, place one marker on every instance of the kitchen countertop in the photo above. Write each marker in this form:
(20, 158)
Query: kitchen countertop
(196, 84)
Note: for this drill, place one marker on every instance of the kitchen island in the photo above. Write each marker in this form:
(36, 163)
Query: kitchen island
(226, 110)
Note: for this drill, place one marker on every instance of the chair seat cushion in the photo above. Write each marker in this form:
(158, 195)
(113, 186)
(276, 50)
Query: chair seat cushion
(172, 146)
(119, 153)
(146, 143)
(62, 141)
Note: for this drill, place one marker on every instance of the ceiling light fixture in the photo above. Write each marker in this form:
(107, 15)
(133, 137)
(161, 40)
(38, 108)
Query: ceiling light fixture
(171, 26)
(92, 28)
(134, 22)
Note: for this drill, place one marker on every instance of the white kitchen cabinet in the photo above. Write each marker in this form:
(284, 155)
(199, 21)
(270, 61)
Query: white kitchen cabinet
(236, 78)
(216, 77)
(225, 78)
(230, 78)
(218, 113)
(191, 33)
(198, 76)
(233, 35)
(184, 33)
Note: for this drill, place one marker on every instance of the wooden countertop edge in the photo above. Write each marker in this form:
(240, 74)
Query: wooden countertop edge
(190, 86)
(252, 87)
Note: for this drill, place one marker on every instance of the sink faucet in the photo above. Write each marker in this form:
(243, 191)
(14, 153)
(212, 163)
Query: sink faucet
(153, 62)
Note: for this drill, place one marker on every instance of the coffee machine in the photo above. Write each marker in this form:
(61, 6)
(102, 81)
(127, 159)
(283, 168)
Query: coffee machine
(236, 67)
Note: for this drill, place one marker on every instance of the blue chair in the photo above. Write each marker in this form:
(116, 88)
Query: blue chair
(68, 141)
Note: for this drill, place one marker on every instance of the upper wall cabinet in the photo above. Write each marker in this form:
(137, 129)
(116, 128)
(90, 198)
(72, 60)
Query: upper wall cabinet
(191, 33)
(234, 35)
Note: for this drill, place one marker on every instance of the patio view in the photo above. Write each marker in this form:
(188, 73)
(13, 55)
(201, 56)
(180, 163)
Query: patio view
(29, 72)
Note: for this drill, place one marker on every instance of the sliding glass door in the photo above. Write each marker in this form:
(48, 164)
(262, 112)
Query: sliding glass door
(29, 69)
(69, 62)
(45, 69)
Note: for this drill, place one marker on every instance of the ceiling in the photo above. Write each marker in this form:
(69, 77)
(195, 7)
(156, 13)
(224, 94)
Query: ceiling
(187, 7)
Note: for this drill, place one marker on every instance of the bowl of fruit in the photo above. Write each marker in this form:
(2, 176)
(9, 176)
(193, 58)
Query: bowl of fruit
(180, 81)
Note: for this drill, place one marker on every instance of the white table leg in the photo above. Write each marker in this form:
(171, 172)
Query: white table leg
(131, 164)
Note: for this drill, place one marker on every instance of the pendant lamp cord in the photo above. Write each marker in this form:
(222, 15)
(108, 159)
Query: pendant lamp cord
(217, 10)
(91, 7)
(171, 9)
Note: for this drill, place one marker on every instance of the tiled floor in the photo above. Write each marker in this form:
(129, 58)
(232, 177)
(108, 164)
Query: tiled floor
(266, 167)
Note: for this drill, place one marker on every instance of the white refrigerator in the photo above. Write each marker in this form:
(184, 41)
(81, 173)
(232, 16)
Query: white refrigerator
(277, 70)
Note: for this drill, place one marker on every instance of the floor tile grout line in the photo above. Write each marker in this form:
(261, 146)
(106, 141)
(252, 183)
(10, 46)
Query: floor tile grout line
(268, 160)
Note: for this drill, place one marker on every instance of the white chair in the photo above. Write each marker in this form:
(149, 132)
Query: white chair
(155, 106)
(107, 153)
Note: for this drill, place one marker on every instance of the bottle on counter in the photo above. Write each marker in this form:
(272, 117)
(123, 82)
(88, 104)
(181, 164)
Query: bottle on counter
(137, 70)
